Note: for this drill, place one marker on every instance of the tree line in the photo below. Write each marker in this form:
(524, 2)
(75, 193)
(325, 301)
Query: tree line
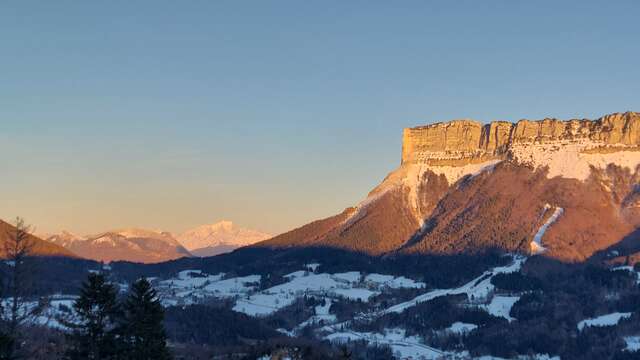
(99, 326)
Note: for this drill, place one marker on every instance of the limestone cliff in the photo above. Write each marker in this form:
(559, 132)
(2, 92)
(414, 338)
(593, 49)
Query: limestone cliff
(461, 142)
(565, 189)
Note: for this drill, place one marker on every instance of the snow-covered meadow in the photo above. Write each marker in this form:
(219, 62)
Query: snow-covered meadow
(194, 286)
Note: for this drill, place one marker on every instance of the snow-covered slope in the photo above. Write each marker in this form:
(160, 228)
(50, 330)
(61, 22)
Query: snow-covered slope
(223, 236)
(64, 238)
(133, 244)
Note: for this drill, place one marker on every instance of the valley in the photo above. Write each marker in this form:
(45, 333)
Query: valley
(494, 241)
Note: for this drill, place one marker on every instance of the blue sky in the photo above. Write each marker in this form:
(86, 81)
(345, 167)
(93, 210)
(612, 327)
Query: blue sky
(168, 114)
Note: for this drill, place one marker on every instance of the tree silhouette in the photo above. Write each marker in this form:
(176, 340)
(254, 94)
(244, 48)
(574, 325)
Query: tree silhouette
(144, 333)
(95, 328)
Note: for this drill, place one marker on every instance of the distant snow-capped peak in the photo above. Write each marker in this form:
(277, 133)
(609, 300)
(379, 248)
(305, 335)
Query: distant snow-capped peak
(221, 233)
(64, 238)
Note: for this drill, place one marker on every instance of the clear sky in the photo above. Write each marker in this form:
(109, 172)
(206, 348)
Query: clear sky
(171, 114)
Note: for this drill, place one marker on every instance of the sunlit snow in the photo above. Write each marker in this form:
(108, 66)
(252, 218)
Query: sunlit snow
(536, 243)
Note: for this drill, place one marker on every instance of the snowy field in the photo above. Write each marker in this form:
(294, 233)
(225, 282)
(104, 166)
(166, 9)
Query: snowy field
(193, 286)
(604, 320)
(403, 347)
(46, 311)
(633, 343)
(247, 296)
(477, 289)
(349, 285)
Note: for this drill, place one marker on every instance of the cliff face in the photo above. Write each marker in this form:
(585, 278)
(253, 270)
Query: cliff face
(565, 189)
(471, 141)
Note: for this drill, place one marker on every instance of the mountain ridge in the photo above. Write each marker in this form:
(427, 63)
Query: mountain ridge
(153, 246)
(130, 244)
(464, 186)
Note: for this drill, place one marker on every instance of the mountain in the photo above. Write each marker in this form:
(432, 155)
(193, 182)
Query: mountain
(565, 189)
(218, 238)
(136, 245)
(40, 247)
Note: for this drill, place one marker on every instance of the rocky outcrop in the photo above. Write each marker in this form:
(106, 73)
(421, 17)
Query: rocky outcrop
(466, 187)
(461, 142)
(455, 140)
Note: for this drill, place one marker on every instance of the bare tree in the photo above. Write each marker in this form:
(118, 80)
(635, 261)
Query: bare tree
(18, 310)
(17, 249)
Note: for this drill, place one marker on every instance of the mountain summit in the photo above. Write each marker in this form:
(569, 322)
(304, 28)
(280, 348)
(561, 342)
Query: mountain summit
(220, 237)
(565, 189)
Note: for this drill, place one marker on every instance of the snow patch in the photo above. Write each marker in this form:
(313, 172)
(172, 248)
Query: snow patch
(349, 285)
(193, 286)
(568, 159)
(476, 289)
(277, 297)
(536, 243)
(312, 267)
(629, 269)
(455, 173)
(322, 316)
(633, 343)
(393, 282)
(404, 347)
(604, 320)
(415, 174)
(460, 328)
(500, 306)
(410, 177)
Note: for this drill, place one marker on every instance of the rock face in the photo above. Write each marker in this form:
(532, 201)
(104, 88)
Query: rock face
(464, 186)
(444, 143)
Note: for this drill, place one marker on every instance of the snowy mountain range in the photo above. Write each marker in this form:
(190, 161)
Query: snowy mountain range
(152, 246)
(136, 245)
(220, 237)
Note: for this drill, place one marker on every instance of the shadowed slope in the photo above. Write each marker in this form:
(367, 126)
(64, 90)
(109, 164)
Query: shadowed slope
(506, 208)
(40, 247)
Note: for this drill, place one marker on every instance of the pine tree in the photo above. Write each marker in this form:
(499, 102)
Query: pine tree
(6, 346)
(144, 332)
(95, 328)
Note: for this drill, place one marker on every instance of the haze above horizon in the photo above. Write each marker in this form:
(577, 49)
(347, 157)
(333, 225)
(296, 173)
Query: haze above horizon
(170, 115)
